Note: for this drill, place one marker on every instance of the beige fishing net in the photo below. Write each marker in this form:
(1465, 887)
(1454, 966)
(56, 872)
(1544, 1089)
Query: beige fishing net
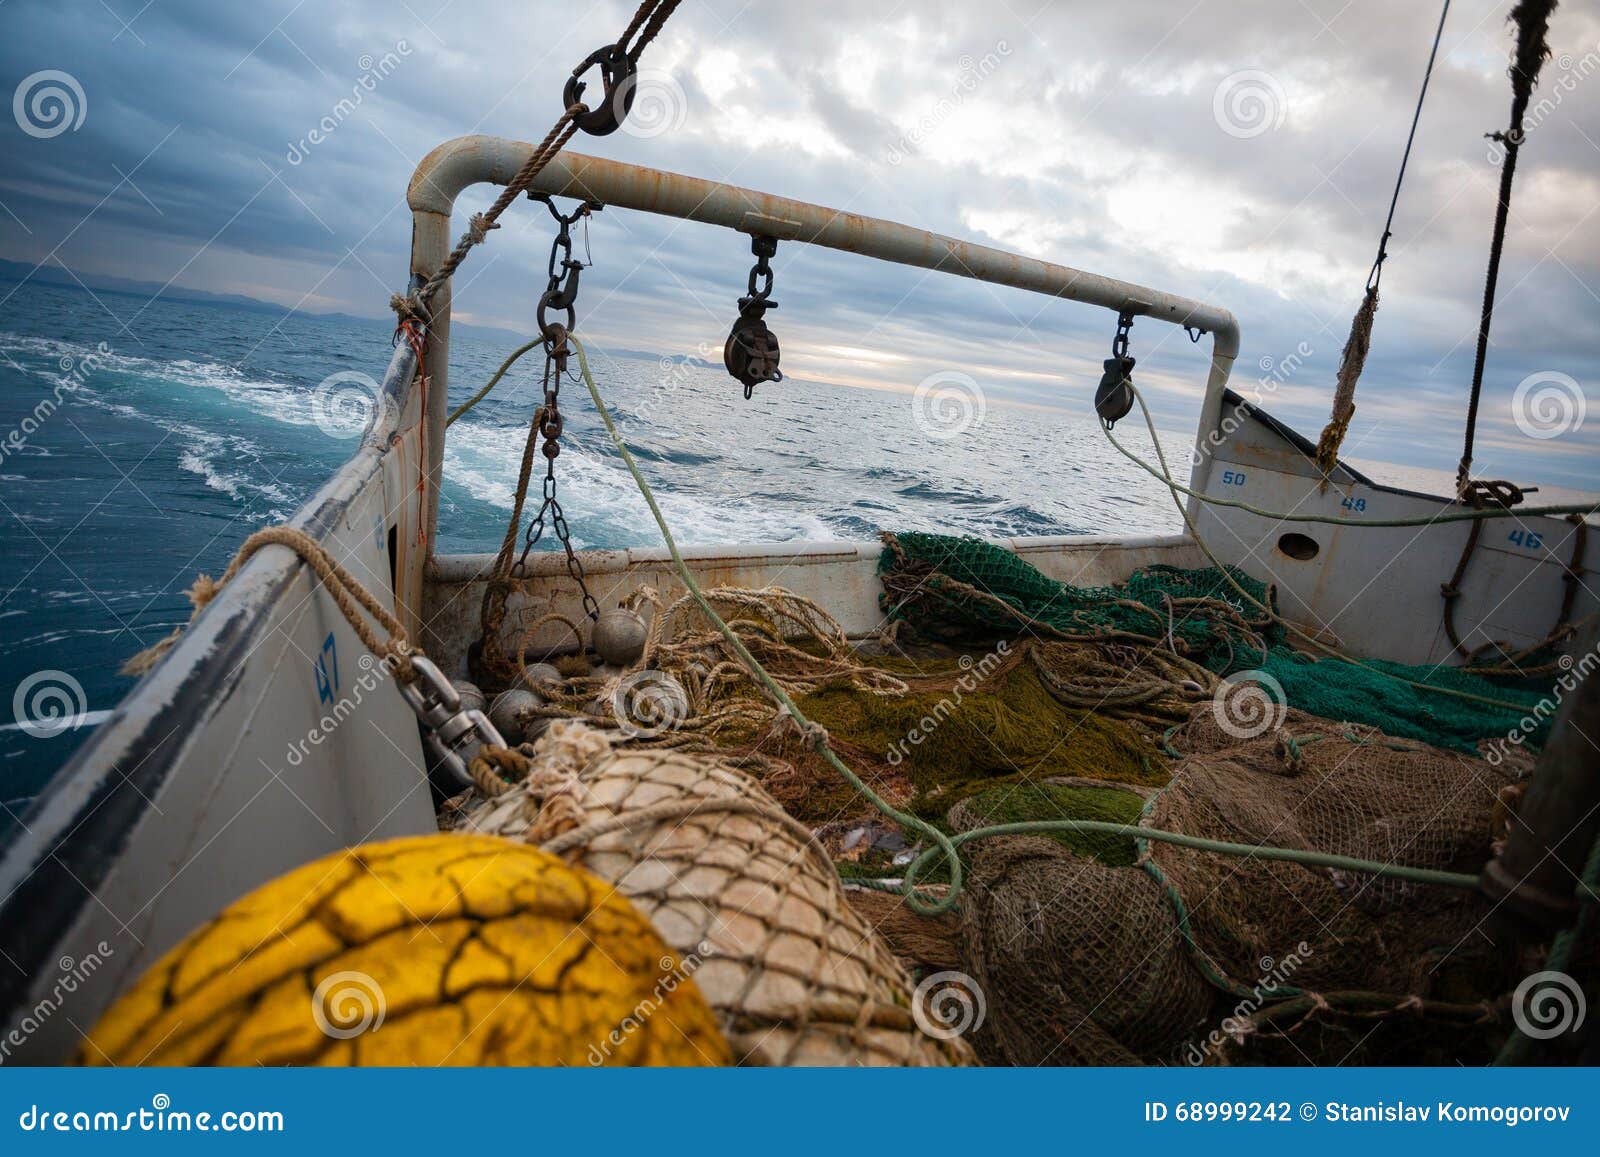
(1185, 957)
(739, 889)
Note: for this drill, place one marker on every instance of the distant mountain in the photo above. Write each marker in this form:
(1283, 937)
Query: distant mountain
(58, 277)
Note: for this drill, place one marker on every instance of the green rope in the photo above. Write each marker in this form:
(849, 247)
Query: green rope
(493, 382)
(1519, 1048)
(1165, 475)
(945, 846)
(1331, 520)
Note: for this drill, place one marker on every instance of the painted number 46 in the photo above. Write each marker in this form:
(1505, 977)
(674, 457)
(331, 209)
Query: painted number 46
(1531, 539)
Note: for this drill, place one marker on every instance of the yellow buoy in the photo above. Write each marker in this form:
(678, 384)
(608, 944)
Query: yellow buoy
(429, 950)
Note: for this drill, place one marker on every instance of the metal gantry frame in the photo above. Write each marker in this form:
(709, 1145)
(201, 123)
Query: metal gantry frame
(463, 162)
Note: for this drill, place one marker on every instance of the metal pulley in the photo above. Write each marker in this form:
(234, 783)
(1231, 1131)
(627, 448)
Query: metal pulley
(751, 351)
(1114, 398)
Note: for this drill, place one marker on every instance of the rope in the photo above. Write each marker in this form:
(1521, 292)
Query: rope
(493, 382)
(1518, 1049)
(1532, 18)
(1165, 475)
(651, 15)
(1354, 356)
(679, 809)
(346, 591)
(944, 846)
(1473, 515)
(415, 304)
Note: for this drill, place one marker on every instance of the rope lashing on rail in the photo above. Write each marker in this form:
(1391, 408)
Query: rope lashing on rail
(617, 63)
(943, 849)
(1354, 356)
(1532, 20)
(347, 593)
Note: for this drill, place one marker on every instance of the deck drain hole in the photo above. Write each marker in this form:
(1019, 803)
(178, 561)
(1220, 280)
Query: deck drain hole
(1299, 546)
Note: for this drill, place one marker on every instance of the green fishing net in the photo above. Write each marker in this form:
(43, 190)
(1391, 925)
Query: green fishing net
(964, 589)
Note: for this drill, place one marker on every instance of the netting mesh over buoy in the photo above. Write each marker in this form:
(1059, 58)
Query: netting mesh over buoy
(794, 974)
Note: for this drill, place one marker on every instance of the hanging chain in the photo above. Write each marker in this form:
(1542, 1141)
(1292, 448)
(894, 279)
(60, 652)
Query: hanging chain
(561, 293)
(751, 351)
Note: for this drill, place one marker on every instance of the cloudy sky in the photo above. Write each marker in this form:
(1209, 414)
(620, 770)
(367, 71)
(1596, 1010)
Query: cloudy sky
(1237, 151)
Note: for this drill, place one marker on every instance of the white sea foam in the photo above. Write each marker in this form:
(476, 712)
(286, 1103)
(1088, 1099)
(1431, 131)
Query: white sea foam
(598, 492)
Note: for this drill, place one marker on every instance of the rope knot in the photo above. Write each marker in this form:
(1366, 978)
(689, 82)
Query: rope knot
(478, 227)
(409, 307)
(814, 733)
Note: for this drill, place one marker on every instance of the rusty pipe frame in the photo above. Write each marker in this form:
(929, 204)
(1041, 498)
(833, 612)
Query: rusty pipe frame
(465, 161)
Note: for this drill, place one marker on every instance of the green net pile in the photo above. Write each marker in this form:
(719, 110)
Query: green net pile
(960, 588)
(966, 589)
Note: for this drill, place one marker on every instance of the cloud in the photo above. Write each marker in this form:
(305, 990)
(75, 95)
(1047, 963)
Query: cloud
(265, 150)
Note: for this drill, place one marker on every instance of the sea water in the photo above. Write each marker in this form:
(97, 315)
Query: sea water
(183, 426)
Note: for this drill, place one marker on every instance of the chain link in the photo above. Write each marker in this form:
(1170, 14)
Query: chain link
(561, 292)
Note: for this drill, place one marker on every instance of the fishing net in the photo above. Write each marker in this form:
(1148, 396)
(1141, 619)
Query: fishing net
(950, 587)
(741, 891)
(1083, 962)
(964, 588)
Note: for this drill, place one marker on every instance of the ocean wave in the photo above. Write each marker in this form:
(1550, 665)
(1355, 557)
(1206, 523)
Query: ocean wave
(484, 459)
